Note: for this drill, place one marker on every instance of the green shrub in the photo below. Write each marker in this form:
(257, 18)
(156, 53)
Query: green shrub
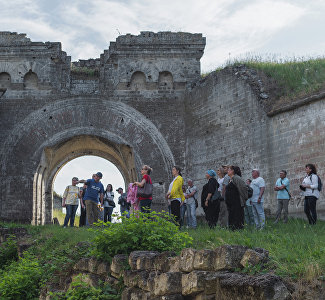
(21, 279)
(81, 290)
(154, 231)
(8, 252)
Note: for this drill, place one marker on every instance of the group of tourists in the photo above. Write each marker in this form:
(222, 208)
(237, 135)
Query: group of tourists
(226, 198)
(231, 202)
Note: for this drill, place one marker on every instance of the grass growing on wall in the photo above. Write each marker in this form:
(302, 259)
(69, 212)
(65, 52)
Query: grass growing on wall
(296, 77)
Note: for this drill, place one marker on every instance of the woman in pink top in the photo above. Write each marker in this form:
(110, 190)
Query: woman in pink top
(145, 203)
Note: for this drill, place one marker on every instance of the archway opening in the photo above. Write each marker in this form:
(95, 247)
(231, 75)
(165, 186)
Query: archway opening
(83, 167)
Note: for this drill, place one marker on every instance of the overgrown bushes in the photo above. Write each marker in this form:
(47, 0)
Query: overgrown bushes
(154, 231)
(8, 252)
(21, 279)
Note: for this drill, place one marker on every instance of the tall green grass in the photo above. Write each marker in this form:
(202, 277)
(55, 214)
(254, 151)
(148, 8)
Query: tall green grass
(297, 250)
(296, 77)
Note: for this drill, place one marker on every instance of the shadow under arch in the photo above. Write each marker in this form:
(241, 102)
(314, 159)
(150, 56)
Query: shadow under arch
(56, 156)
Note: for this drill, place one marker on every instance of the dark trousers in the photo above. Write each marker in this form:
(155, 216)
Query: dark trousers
(175, 210)
(145, 206)
(83, 217)
(310, 209)
(108, 214)
(182, 214)
(70, 215)
(212, 213)
(235, 216)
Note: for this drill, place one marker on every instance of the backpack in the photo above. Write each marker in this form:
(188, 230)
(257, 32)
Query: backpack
(320, 184)
(249, 191)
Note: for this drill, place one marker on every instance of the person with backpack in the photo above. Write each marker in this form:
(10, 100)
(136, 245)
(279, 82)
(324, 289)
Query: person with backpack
(282, 187)
(311, 186)
(248, 209)
(70, 201)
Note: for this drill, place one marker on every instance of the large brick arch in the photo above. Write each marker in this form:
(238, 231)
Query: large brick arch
(58, 132)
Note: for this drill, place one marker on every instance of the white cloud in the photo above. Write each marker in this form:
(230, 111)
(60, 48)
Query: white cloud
(85, 28)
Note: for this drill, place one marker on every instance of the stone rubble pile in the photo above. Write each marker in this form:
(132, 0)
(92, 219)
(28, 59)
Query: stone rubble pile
(193, 275)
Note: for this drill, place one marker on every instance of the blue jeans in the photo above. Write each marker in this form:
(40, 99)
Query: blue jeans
(183, 211)
(108, 214)
(191, 215)
(249, 216)
(259, 216)
(123, 210)
(71, 214)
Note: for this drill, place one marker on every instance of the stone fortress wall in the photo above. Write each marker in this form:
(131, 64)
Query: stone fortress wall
(142, 102)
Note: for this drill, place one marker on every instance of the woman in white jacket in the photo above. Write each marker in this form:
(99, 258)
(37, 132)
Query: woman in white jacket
(311, 192)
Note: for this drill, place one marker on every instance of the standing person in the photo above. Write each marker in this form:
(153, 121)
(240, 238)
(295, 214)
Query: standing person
(191, 203)
(225, 181)
(183, 208)
(108, 203)
(211, 208)
(145, 202)
(236, 196)
(83, 213)
(175, 193)
(124, 205)
(248, 210)
(223, 214)
(94, 188)
(282, 187)
(70, 201)
(258, 186)
(311, 192)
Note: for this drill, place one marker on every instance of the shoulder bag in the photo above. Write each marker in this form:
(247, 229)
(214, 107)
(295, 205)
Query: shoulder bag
(145, 191)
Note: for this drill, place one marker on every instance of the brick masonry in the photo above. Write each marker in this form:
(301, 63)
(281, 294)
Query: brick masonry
(142, 102)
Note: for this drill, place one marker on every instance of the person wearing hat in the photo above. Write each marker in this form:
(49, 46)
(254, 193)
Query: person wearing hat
(94, 188)
(124, 204)
(211, 208)
(70, 202)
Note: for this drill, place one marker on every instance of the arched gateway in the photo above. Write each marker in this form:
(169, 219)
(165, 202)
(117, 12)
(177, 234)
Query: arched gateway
(66, 129)
(54, 111)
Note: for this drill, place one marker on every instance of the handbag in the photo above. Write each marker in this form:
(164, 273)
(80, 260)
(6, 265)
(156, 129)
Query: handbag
(216, 196)
(145, 191)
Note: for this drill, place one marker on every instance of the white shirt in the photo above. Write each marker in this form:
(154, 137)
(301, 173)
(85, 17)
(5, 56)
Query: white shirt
(313, 191)
(256, 185)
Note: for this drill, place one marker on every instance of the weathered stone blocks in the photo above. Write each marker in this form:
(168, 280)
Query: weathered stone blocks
(118, 265)
(228, 257)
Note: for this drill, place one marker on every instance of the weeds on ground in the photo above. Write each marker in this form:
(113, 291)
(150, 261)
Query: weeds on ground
(154, 231)
(297, 250)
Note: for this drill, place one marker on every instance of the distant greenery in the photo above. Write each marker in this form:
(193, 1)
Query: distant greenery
(297, 250)
(84, 71)
(154, 231)
(57, 213)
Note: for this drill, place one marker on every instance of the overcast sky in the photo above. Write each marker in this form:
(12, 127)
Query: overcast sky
(232, 27)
